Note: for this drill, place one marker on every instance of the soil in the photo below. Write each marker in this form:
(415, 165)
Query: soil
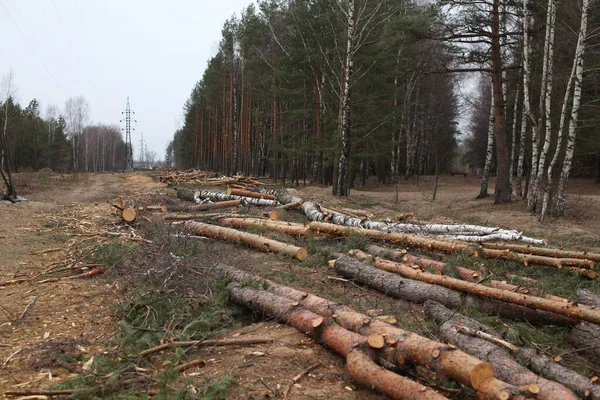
(40, 320)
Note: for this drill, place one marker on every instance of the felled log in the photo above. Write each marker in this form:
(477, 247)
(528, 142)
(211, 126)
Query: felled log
(543, 251)
(410, 348)
(423, 262)
(527, 259)
(204, 207)
(569, 310)
(188, 195)
(218, 196)
(259, 242)
(246, 193)
(505, 367)
(279, 226)
(586, 336)
(352, 346)
(128, 214)
(417, 291)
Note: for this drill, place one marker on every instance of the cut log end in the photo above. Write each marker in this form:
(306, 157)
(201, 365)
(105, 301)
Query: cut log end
(317, 322)
(481, 374)
(533, 388)
(128, 214)
(376, 341)
(302, 254)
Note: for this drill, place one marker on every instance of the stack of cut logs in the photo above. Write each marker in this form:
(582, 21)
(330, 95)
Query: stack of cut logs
(193, 176)
(486, 362)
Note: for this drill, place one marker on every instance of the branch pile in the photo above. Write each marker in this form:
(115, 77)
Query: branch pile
(193, 176)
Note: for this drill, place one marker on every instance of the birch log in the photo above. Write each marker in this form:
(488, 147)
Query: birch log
(409, 348)
(504, 365)
(569, 310)
(418, 292)
(352, 346)
(259, 242)
(218, 196)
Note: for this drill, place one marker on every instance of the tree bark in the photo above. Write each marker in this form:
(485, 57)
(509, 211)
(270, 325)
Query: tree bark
(483, 191)
(504, 365)
(217, 196)
(418, 292)
(256, 241)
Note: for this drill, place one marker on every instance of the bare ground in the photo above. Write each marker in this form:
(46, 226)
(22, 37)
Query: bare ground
(77, 317)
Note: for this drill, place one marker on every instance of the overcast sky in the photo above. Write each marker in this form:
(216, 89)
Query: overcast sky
(105, 50)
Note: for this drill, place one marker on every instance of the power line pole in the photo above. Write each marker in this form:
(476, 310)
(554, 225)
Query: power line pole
(128, 145)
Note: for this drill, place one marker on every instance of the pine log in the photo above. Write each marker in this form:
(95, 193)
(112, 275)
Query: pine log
(424, 262)
(256, 241)
(246, 193)
(588, 298)
(505, 366)
(570, 310)
(279, 226)
(161, 208)
(543, 251)
(417, 291)
(586, 337)
(352, 346)
(204, 207)
(410, 348)
(527, 259)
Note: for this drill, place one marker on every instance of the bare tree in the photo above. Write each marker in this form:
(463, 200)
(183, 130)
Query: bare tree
(77, 115)
(5, 160)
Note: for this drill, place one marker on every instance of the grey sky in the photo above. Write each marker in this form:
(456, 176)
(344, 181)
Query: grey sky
(152, 51)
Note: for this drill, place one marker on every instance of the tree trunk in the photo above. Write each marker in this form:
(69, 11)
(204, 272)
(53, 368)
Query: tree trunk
(514, 137)
(352, 346)
(502, 193)
(483, 192)
(256, 241)
(342, 183)
(217, 196)
(566, 169)
(418, 292)
(504, 365)
(586, 336)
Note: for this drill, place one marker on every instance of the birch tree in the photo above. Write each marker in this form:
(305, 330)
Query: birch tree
(76, 115)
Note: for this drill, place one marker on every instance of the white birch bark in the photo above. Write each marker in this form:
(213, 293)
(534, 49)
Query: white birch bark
(566, 169)
(535, 152)
(537, 182)
(483, 192)
(526, 113)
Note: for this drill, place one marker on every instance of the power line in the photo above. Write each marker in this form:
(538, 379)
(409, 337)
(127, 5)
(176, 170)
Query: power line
(30, 46)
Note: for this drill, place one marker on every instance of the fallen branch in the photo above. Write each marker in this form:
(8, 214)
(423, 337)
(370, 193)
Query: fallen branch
(31, 302)
(51, 393)
(296, 378)
(206, 343)
(191, 364)
(11, 356)
(46, 251)
(256, 241)
(91, 273)
(12, 282)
